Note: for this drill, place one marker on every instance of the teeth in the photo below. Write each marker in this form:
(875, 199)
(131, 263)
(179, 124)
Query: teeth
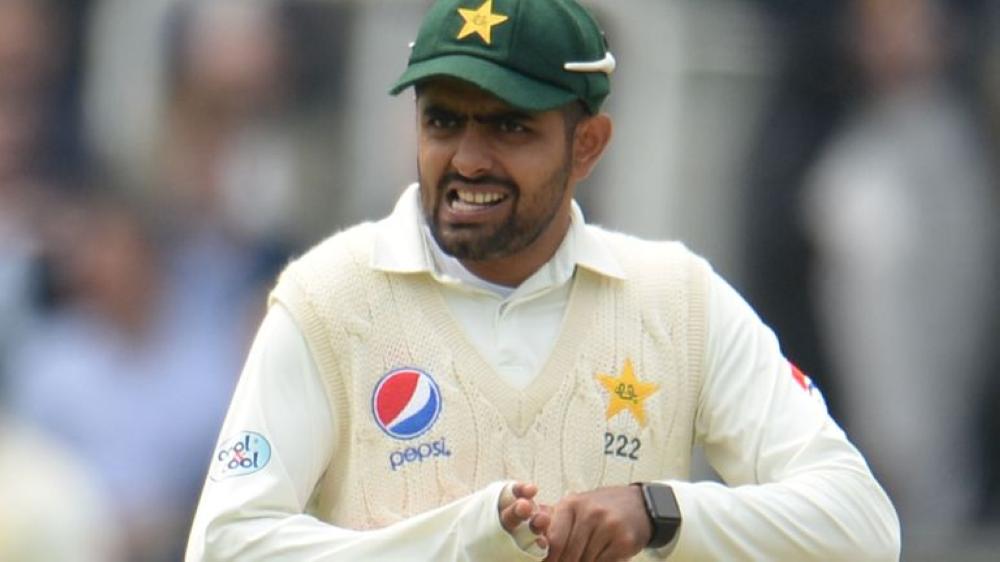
(479, 198)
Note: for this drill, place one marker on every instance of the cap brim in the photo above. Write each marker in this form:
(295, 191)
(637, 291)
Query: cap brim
(516, 89)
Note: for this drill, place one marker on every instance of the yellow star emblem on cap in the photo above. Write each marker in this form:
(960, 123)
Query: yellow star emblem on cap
(626, 392)
(480, 21)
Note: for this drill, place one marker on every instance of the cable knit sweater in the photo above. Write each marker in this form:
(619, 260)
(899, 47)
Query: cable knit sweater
(580, 424)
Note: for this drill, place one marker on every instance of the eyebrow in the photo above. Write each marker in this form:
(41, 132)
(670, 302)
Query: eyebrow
(437, 111)
(501, 116)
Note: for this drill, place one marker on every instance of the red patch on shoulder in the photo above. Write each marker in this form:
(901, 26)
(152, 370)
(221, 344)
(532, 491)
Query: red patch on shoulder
(800, 377)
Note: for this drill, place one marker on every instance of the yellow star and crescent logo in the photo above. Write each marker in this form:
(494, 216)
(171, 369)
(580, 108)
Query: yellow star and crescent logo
(626, 392)
(480, 21)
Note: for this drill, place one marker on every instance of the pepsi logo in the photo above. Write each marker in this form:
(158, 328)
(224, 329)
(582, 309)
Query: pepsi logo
(406, 403)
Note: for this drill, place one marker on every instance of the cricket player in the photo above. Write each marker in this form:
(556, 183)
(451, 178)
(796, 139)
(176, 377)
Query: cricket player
(483, 375)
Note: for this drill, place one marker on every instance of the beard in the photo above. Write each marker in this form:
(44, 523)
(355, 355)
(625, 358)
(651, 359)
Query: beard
(530, 215)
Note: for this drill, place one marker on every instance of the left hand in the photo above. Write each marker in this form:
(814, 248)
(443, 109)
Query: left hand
(602, 525)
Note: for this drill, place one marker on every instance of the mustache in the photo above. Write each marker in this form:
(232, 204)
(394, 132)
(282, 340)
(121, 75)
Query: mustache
(452, 177)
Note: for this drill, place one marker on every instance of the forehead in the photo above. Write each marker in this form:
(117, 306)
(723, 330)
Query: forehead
(462, 97)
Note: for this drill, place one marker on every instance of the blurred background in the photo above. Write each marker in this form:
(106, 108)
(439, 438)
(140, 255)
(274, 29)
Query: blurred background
(161, 160)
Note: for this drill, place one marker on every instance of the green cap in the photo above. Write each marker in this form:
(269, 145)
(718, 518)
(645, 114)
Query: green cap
(533, 54)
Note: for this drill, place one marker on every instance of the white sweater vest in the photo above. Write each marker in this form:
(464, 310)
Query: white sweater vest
(581, 423)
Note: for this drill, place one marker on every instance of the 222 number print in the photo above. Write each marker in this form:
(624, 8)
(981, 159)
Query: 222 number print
(621, 446)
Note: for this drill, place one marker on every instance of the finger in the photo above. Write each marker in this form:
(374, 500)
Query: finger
(506, 497)
(524, 490)
(516, 513)
(598, 545)
(559, 529)
(524, 509)
(539, 525)
(578, 537)
(539, 522)
(576, 543)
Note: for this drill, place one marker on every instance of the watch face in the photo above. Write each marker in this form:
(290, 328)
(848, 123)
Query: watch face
(663, 501)
(664, 514)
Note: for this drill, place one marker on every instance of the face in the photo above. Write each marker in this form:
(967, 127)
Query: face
(494, 181)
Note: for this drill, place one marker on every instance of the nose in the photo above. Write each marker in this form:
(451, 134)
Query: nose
(472, 156)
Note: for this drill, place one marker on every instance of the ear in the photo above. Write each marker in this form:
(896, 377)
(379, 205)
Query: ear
(591, 137)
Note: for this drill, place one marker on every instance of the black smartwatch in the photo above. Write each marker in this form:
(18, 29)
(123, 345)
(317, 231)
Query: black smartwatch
(664, 515)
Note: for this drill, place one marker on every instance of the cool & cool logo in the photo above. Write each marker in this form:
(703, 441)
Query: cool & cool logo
(243, 454)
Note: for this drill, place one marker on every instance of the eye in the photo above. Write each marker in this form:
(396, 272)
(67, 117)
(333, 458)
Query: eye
(439, 122)
(511, 126)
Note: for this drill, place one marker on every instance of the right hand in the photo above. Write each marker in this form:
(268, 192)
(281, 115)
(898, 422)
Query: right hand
(517, 505)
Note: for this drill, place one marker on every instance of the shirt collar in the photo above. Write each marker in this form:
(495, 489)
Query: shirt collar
(399, 241)
(402, 245)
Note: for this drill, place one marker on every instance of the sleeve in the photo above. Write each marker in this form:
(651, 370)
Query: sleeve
(275, 444)
(796, 488)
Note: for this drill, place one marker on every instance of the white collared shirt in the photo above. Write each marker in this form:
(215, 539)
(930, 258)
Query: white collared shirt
(513, 328)
(756, 424)
(514, 338)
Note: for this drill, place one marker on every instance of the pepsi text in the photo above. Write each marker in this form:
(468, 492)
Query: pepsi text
(418, 453)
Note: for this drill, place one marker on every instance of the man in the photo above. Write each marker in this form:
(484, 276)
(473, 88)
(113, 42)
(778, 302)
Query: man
(483, 376)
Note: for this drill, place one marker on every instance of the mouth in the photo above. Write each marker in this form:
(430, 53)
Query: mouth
(463, 200)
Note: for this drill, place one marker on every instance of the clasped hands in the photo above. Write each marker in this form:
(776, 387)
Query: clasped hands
(602, 525)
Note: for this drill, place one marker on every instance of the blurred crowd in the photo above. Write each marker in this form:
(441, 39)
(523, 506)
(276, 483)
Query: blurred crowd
(161, 160)
(148, 195)
(874, 249)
